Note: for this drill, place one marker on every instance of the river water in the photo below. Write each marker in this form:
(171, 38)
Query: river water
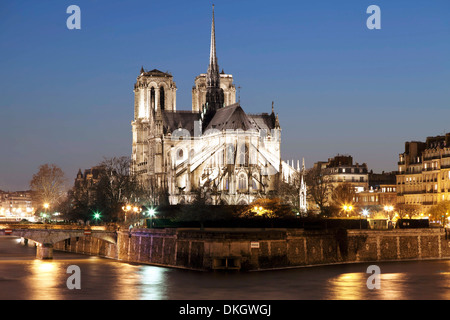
(22, 277)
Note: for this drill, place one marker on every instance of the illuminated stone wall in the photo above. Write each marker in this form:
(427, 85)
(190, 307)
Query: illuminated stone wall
(248, 249)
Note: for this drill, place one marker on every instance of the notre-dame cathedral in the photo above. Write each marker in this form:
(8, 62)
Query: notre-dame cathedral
(216, 148)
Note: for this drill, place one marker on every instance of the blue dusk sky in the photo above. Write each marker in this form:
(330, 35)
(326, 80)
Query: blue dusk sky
(66, 96)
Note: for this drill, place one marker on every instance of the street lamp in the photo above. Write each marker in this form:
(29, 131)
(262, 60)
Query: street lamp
(365, 213)
(97, 216)
(388, 209)
(347, 208)
(151, 212)
(46, 206)
(126, 209)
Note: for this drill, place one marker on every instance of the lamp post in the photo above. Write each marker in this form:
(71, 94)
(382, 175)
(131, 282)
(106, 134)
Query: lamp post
(151, 212)
(388, 209)
(126, 208)
(46, 206)
(365, 212)
(347, 208)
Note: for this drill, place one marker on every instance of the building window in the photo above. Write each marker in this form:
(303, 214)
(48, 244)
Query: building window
(254, 184)
(242, 182)
(243, 155)
(152, 98)
(180, 154)
(230, 154)
(161, 98)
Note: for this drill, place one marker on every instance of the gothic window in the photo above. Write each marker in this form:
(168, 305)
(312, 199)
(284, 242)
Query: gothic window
(254, 183)
(162, 98)
(252, 155)
(243, 155)
(242, 185)
(230, 154)
(152, 98)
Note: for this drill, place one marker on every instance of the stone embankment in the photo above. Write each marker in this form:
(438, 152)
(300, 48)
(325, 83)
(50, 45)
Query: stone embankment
(263, 249)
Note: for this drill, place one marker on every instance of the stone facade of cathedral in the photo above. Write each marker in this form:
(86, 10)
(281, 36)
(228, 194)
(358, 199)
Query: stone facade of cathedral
(216, 149)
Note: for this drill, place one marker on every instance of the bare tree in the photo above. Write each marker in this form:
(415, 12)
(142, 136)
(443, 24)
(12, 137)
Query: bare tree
(343, 195)
(319, 187)
(404, 210)
(440, 211)
(48, 185)
(116, 186)
(289, 193)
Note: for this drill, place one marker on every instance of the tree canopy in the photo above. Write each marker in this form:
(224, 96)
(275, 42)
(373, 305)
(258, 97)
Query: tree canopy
(48, 185)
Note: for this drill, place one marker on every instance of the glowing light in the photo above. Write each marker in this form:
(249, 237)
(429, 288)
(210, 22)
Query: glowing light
(46, 205)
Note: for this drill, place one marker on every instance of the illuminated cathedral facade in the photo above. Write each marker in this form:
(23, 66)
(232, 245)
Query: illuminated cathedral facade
(215, 149)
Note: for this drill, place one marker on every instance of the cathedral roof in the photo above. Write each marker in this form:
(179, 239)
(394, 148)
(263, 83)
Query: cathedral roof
(174, 120)
(231, 117)
(262, 121)
(157, 73)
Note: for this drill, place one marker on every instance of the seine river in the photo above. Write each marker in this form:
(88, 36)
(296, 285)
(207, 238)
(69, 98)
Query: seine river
(22, 277)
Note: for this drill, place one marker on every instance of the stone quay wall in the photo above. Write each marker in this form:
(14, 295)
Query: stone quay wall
(264, 249)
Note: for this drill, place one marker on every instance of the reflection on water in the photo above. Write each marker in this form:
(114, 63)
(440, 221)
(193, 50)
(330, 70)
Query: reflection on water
(152, 280)
(347, 286)
(24, 277)
(44, 276)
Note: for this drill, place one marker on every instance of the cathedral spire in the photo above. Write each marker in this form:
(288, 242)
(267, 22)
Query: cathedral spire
(213, 76)
(214, 94)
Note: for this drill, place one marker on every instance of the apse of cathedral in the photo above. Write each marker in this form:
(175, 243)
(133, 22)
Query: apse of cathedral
(216, 149)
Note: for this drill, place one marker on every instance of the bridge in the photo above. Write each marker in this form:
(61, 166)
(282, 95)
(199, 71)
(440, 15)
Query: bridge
(46, 235)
